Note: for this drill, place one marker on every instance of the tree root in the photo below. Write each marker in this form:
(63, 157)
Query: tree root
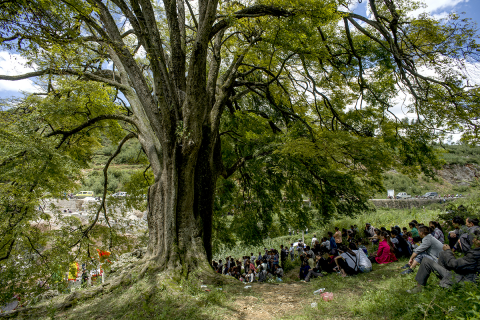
(123, 278)
(69, 301)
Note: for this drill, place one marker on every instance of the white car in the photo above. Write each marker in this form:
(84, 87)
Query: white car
(403, 195)
(119, 195)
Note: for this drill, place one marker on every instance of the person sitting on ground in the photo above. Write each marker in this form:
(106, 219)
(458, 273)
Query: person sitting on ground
(401, 246)
(437, 232)
(325, 243)
(304, 270)
(464, 269)
(399, 230)
(430, 248)
(278, 271)
(262, 274)
(309, 253)
(317, 248)
(353, 231)
(465, 241)
(385, 253)
(376, 238)
(369, 230)
(250, 276)
(414, 231)
(317, 271)
(364, 264)
(460, 229)
(361, 246)
(347, 261)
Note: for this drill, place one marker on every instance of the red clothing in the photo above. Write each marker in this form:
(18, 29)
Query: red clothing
(384, 255)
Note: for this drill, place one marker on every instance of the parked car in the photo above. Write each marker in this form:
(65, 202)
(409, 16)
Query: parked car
(84, 194)
(403, 195)
(430, 195)
(119, 195)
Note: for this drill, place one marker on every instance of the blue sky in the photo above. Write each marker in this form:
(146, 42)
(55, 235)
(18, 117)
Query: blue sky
(13, 64)
(439, 8)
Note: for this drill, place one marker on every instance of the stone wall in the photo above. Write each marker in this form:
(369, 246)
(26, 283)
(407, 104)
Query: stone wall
(406, 203)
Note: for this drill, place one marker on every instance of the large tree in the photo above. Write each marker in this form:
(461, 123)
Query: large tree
(302, 90)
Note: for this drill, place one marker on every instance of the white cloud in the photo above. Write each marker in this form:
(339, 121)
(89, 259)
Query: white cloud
(15, 64)
(434, 5)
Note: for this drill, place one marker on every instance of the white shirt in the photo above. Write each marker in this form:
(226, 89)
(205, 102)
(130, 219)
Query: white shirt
(326, 244)
(313, 240)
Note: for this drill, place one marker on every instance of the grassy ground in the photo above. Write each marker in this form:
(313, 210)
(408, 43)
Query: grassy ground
(380, 294)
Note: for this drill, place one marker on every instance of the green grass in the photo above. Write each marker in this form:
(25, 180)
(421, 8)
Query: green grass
(382, 294)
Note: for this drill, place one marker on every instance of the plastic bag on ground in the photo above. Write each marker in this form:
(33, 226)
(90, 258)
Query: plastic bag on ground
(327, 296)
(319, 291)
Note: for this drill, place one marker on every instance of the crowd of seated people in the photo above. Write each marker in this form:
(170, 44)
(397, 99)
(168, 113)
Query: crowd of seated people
(343, 252)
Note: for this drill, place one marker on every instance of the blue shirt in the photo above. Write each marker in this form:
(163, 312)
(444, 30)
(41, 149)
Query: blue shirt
(333, 244)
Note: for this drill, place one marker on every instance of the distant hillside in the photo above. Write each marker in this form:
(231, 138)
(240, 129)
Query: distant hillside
(461, 154)
(460, 174)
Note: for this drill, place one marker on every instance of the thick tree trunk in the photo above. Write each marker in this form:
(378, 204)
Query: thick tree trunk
(175, 236)
(206, 175)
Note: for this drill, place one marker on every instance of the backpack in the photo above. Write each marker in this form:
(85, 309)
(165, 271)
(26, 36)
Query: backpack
(355, 270)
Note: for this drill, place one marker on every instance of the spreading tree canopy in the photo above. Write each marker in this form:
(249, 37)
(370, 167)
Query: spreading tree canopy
(245, 107)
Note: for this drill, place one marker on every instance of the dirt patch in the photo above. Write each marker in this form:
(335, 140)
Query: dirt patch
(269, 301)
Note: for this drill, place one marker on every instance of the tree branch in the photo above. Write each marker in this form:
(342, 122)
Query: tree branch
(105, 181)
(250, 12)
(9, 251)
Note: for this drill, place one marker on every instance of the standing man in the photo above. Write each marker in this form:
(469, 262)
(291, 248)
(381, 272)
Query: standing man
(283, 255)
(338, 236)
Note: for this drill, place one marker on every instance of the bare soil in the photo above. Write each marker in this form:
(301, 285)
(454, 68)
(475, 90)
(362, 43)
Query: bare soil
(270, 301)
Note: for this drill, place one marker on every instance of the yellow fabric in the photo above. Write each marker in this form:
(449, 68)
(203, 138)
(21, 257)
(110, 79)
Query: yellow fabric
(73, 271)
